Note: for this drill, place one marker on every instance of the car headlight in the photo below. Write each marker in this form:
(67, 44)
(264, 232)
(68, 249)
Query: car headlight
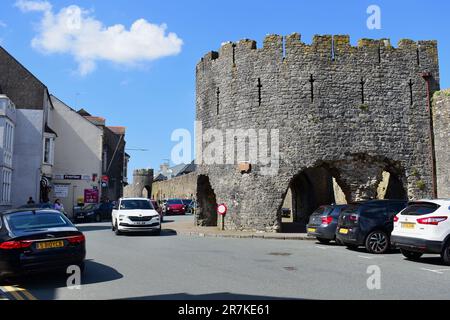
(155, 217)
(121, 216)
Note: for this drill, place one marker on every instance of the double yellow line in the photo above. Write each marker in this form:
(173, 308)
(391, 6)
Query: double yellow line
(17, 293)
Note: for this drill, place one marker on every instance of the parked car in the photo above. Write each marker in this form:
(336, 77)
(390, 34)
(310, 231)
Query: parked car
(323, 223)
(175, 206)
(189, 204)
(423, 227)
(33, 241)
(94, 212)
(158, 208)
(369, 224)
(135, 215)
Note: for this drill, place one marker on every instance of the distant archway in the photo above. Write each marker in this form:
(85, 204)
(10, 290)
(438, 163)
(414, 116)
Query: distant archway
(146, 192)
(206, 214)
(391, 187)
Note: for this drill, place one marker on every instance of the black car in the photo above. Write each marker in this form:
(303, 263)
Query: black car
(94, 213)
(369, 224)
(323, 222)
(189, 204)
(33, 241)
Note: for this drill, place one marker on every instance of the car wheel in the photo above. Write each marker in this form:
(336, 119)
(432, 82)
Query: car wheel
(445, 255)
(324, 241)
(377, 242)
(117, 231)
(339, 242)
(411, 255)
(98, 218)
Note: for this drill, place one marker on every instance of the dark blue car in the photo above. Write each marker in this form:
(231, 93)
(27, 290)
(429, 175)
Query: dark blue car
(323, 223)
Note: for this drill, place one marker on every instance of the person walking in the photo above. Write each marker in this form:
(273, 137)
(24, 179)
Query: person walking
(31, 201)
(58, 205)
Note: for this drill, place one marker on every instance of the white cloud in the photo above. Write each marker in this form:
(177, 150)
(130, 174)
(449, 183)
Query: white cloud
(28, 5)
(75, 31)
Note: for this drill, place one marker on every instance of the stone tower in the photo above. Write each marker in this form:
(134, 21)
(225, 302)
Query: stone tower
(334, 112)
(142, 184)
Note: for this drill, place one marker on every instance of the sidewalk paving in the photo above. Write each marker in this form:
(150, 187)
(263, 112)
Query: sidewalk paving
(188, 228)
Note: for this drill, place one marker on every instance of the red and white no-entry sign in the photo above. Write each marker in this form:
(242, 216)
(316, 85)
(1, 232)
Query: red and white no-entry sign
(222, 209)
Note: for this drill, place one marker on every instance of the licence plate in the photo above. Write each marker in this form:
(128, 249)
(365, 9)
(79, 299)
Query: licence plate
(140, 223)
(343, 231)
(409, 226)
(50, 245)
(311, 230)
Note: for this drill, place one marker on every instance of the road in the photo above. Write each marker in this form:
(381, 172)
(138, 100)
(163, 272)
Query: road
(182, 267)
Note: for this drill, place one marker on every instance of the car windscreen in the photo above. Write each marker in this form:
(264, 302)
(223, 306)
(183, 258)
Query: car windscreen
(174, 201)
(90, 207)
(420, 209)
(25, 221)
(187, 202)
(136, 205)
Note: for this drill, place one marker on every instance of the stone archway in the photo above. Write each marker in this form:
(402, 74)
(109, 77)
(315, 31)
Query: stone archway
(206, 214)
(310, 189)
(147, 192)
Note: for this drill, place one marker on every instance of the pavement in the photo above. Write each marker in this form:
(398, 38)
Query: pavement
(184, 225)
(180, 267)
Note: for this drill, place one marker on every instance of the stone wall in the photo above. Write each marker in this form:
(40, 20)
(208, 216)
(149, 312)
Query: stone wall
(441, 115)
(183, 187)
(356, 111)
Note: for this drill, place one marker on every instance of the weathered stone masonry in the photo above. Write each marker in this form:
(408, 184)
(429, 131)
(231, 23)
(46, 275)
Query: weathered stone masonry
(342, 111)
(441, 119)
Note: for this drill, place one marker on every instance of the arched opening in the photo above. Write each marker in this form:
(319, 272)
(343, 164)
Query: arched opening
(146, 192)
(391, 187)
(307, 191)
(206, 214)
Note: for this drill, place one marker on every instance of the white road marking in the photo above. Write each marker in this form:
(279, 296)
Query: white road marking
(438, 271)
(365, 257)
(323, 248)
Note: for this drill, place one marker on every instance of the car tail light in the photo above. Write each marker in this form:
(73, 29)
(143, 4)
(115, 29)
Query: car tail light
(327, 220)
(11, 245)
(77, 239)
(395, 219)
(353, 217)
(434, 221)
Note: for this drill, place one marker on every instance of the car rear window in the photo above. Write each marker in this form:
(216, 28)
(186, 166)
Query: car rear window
(324, 210)
(40, 220)
(420, 209)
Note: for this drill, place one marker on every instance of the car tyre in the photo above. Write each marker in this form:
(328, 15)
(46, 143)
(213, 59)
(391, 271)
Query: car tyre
(116, 230)
(411, 255)
(445, 255)
(98, 218)
(324, 241)
(377, 242)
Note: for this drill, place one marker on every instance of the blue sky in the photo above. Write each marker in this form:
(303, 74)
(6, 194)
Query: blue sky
(154, 97)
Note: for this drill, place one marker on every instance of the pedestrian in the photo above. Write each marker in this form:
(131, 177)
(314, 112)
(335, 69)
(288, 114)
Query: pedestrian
(31, 201)
(58, 205)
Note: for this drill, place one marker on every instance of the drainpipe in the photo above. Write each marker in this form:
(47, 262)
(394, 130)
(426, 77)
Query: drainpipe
(427, 77)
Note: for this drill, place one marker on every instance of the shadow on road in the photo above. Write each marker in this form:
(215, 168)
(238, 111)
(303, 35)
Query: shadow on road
(88, 228)
(44, 285)
(213, 296)
(164, 233)
(431, 260)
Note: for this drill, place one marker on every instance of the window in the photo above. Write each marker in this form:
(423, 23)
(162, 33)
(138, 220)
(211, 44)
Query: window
(136, 205)
(48, 151)
(6, 186)
(420, 209)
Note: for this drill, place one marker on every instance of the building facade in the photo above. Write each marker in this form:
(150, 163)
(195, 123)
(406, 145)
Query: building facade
(77, 168)
(7, 132)
(34, 138)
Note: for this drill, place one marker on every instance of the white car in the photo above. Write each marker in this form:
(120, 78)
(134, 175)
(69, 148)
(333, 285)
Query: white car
(423, 227)
(135, 215)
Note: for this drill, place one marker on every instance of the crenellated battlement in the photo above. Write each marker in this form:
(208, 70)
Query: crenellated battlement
(291, 48)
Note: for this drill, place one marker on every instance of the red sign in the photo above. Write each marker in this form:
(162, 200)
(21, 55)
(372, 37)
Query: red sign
(91, 196)
(105, 179)
(222, 209)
